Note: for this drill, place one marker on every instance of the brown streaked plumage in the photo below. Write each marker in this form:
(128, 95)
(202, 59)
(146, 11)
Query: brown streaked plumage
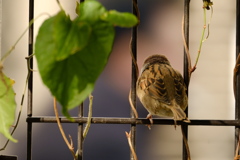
(161, 89)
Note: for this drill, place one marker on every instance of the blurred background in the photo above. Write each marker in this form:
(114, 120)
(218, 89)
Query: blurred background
(210, 90)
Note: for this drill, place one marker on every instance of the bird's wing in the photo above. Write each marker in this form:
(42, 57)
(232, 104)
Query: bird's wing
(180, 88)
(153, 84)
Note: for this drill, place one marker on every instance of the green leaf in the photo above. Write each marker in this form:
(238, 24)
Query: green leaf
(124, 19)
(68, 65)
(64, 33)
(7, 106)
(90, 11)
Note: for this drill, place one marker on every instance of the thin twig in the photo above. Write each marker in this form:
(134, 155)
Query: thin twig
(28, 62)
(131, 104)
(21, 106)
(59, 4)
(69, 145)
(19, 112)
(192, 69)
(29, 72)
(209, 24)
(201, 40)
(235, 71)
(237, 156)
(14, 45)
(205, 7)
(186, 49)
(85, 132)
(186, 144)
(133, 59)
(137, 74)
(128, 135)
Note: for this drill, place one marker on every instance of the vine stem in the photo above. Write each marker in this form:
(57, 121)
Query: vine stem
(21, 36)
(186, 50)
(202, 38)
(29, 71)
(186, 144)
(237, 150)
(131, 104)
(128, 135)
(69, 144)
(59, 4)
(85, 132)
(20, 110)
(236, 69)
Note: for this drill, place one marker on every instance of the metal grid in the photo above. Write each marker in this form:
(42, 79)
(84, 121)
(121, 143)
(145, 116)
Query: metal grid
(132, 121)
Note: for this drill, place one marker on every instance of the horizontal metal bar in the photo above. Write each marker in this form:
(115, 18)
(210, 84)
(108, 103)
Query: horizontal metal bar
(144, 121)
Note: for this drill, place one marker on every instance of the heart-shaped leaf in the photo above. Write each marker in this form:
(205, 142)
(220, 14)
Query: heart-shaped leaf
(72, 54)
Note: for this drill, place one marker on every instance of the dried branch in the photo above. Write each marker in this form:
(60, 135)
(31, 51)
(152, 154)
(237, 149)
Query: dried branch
(235, 71)
(186, 50)
(69, 145)
(128, 135)
(134, 60)
(186, 144)
(131, 104)
(237, 156)
(89, 117)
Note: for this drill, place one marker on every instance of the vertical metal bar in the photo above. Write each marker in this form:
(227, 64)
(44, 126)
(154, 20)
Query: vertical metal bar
(80, 128)
(237, 98)
(80, 134)
(134, 75)
(186, 70)
(30, 81)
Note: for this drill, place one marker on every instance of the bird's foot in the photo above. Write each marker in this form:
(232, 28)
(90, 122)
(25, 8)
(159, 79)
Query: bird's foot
(149, 116)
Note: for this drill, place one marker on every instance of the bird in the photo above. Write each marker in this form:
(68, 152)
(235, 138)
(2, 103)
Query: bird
(161, 89)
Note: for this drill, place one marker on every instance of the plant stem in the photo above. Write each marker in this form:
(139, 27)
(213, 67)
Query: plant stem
(14, 45)
(131, 104)
(89, 117)
(186, 50)
(186, 144)
(128, 135)
(70, 145)
(201, 40)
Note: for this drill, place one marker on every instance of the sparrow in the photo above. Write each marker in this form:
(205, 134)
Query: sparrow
(161, 89)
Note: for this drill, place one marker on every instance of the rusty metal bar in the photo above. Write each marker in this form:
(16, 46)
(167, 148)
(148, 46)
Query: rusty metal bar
(30, 81)
(186, 69)
(80, 133)
(80, 128)
(237, 98)
(139, 121)
(134, 75)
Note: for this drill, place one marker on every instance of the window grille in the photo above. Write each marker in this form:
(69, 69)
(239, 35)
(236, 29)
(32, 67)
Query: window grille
(131, 121)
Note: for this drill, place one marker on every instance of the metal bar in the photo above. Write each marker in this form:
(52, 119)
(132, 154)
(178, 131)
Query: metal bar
(80, 128)
(134, 75)
(237, 100)
(186, 70)
(30, 81)
(139, 121)
(80, 134)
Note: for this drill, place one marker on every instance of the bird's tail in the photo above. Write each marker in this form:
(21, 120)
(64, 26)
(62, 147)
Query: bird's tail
(178, 114)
